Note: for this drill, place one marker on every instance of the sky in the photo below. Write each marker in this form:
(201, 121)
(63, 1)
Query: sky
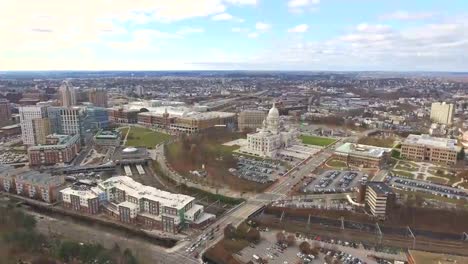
(302, 35)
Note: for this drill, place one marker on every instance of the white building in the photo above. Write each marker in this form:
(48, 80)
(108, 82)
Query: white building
(270, 139)
(27, 115)
(379, 197)
(72, 120)
(67, 94)
(442, 113)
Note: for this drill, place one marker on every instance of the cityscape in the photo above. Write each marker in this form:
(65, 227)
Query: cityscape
(301, 155)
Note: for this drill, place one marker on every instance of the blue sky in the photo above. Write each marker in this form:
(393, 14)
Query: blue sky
(392, 35)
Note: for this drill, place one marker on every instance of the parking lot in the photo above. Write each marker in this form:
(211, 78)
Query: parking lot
(260, 171)
(9, 157)
(270, 251)
(428, 187)
(334, 182)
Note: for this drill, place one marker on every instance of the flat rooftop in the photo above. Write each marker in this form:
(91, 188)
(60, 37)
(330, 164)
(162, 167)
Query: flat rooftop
(427, 140)
(139, 190)
(107, 134)
(379, 187)
(362, 150)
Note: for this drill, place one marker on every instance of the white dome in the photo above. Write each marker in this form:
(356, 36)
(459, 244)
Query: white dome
(273, 112)
(129, 150)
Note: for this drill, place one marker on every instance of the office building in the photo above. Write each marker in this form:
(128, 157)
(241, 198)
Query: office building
(427, 148)
(54, 114)
(379, 198)
(362, 155)
(73, 121)
(134, 203)
(97, 118)
(30, 183)
(250, 120)
(98, 97)
(107, 138)
(442, 113)
(27, 115)
(120, 115)
(58, 149)
(67, 94)
(5, 110)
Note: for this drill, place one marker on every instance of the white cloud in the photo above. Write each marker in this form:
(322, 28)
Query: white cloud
(242, 2)
(239, 29)
(261, 26)
(190, 30)
(299, 28)
(253, 35)
(299, 6)
(405, 15)
(222, 16)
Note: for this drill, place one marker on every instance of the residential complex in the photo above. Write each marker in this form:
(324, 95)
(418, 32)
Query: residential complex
(57, 149)
(442, 113)
(379, 198)
(27, 115)
(427, 148)
(362, 155)
(31, 184)
(250, 120)
(132, 202)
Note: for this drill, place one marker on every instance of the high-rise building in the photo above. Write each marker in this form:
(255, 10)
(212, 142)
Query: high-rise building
(98, 97)
(55, 117)
(67, 94)
(41, 129)
(442, 113)
(5, 110)
(251, 119)
(379, 198)
(97, 117)
(72, 121)
(27, 115)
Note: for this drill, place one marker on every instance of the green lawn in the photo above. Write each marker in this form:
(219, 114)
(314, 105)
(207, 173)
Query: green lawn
(403, 174)
(318, 141)
(406, 168)
(336, 163)
(437, 180)
(143, 137)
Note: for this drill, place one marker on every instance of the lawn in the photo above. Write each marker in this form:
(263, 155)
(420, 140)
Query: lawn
(405, 167)
(317, 141)
(437, 180)
(143, 137)
(403, 174)
(336, 163)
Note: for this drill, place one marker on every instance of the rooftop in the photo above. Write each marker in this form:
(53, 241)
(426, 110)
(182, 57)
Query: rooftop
(427, 140)
(107, 134)
(31, 176)
(362, 150)
(139, 190)
(379, 187)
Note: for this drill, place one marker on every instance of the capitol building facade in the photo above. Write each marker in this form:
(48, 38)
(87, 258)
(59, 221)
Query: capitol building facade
(271, 138)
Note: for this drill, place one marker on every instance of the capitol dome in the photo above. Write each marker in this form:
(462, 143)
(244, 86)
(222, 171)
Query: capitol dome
(273, 112)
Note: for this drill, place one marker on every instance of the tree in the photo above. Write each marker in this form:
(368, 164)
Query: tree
(280, 237)
(291, 240)
(253, 235)
(461, 154)
(230, 232)
(304, 247)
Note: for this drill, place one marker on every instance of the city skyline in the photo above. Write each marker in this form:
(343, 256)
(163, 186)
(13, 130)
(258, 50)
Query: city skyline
(235, 35)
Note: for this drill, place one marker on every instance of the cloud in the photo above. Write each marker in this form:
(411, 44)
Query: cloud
(253, 35)
(242, 2)
(299, 6)
(222, 16)
(405, 15)
(261, 26)
(190, 30)
(239, 29)
(299, 28)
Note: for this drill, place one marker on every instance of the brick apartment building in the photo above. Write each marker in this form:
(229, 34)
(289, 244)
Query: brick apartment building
(58, 149)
